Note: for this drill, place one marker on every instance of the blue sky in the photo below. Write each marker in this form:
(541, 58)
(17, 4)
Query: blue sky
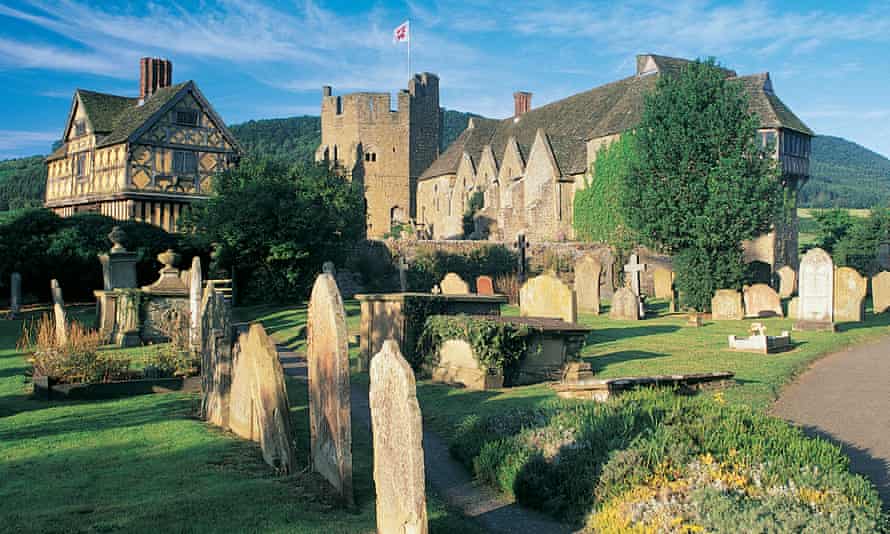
(262, 59)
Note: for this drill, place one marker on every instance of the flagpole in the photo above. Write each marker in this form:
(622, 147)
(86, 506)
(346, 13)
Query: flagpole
(410, 74)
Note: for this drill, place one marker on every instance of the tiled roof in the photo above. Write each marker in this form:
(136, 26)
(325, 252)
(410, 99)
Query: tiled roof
(605, 110)
(135, 116)
(103, 109)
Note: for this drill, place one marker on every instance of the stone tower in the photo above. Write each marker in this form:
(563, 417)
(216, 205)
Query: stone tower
(364, 139)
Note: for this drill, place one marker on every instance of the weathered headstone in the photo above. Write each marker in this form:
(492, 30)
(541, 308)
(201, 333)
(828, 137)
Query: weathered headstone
(15, 295)
(787, 281)
(880, 292)
(762, 301)
(625, 305)
(329, 401)
(216, 356)
(453, 284)
(664, 283)
(547, 296)
(816, 291)
(727, 305)
(850, 288)
(403, 274)
(484, 285)
(587, 284)
(59, 312)
(398, 444)
(196, 290)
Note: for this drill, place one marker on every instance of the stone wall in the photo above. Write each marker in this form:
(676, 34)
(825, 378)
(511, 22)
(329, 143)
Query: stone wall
(156, 310)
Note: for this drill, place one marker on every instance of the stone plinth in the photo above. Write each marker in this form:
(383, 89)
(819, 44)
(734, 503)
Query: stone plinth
(401, 316)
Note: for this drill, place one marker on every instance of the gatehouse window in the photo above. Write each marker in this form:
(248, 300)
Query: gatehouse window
(184, 162)
(187, 118)
(80, 128)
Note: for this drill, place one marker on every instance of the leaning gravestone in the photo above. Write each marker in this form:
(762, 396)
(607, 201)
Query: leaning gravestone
(880, 292)
(398, 444)
(625, 305)
(453, 284)
(664, 283)
(547, 296)
(59, 313)
(815, 309)
(849, 293)
(15, 295)
(258, 405)
(787, 281)
(587, 284)
(484, 285)
(727, 305)
(216, 356)
(762, 301)
(196, 289)
(329, 401)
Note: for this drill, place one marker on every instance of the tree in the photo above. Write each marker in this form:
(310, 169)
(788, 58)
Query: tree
(701, 184)
(858, 246)
(833, 226)
(275, 225)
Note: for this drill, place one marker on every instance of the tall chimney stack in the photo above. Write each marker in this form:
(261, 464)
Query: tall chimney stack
(154, 73)
(522, 102)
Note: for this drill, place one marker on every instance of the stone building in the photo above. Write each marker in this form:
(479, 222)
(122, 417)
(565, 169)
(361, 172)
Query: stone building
(145, 158)
(364, 139)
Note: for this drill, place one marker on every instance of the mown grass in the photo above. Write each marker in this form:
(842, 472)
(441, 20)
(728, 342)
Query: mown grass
(147, 464)
(658, 345)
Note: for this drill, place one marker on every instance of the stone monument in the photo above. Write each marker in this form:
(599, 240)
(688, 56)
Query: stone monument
(787, 281)
(849, 295)
(547, 296)
(453, 284)
(815, 308)
(329, 401)
(664, 283)
(119, 265)
(587, 284)
(634, 268)
(196, 290)
(625, 305)
(727, 305)
(397, 429)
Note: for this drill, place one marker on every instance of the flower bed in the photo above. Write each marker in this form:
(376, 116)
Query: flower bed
(650, 461)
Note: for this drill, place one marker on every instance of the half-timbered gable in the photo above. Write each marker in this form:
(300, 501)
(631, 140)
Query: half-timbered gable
(144, 158)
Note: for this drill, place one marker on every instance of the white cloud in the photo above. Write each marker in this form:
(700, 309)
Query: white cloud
(17, 141)
(34, 56)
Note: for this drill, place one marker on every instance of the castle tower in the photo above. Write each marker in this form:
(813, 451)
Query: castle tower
(364, 139)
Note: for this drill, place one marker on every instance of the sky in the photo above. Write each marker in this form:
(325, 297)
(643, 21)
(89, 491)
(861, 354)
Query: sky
(258, 59)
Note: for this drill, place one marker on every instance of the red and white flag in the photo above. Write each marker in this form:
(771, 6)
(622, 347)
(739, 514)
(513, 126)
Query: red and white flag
(401, 33)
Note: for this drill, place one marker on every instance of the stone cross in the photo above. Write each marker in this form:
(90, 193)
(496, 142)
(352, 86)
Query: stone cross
(397, 430)
(59, 312)
(329, 401)
(403, 273)
(196, 291)
(15, 295)
(634, 268)
(521, 248)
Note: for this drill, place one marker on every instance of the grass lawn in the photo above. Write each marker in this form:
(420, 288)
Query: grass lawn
(147, 464)
(661, 345)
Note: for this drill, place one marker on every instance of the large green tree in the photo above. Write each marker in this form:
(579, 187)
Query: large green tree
(702, 183)
(275, 225)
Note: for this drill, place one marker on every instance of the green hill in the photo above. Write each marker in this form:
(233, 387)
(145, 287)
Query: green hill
(844, 174)
(22, 183)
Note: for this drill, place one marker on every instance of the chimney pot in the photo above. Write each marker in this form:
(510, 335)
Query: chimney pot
(522, 102)
(154, 74)
(325, 90)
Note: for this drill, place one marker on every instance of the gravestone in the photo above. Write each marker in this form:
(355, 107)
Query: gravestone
(329, 268)
(884, 255)
(762, 301)
(453, 284)
(787, 281)
(587, 284)
(484, 285)
(258, 405)
(849, 293)
(216, 356)
(547, 296)
(398, 444)
(727, 305)
(329, 401)
(815, 309)
(196, 290)
(664, 283)
(634, 268)
(625, 305)
(15, 295)
(880, 292)
(59, 312)
(403, 274)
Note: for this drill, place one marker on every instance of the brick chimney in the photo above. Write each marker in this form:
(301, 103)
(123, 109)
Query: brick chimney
(154, 73)
(522, 102)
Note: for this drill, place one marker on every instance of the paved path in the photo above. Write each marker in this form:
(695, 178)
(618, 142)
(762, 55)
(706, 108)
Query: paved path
(845, 397)
(447, 477)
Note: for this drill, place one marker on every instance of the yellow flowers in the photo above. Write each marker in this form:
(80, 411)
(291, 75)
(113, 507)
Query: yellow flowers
(718, 398)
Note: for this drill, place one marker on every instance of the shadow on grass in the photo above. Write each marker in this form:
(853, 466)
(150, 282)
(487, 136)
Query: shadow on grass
(871, 321)
(602, 361)
(603, 335)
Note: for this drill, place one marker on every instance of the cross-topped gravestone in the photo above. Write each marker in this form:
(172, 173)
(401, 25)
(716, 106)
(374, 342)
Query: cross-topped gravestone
(634, 268)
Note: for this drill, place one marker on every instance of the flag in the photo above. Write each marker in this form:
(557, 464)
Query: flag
(401, 34)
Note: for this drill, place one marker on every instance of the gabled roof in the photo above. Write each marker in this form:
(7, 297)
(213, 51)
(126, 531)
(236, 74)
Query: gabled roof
(118, 119)
(609, 109)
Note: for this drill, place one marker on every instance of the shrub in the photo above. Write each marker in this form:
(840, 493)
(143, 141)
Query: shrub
(175, 358)
(430, 265)
(78, 360)
(508, 285)
(650, 455)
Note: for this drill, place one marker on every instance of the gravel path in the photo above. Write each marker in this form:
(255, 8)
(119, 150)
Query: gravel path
(845, 397)
(446, 476)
